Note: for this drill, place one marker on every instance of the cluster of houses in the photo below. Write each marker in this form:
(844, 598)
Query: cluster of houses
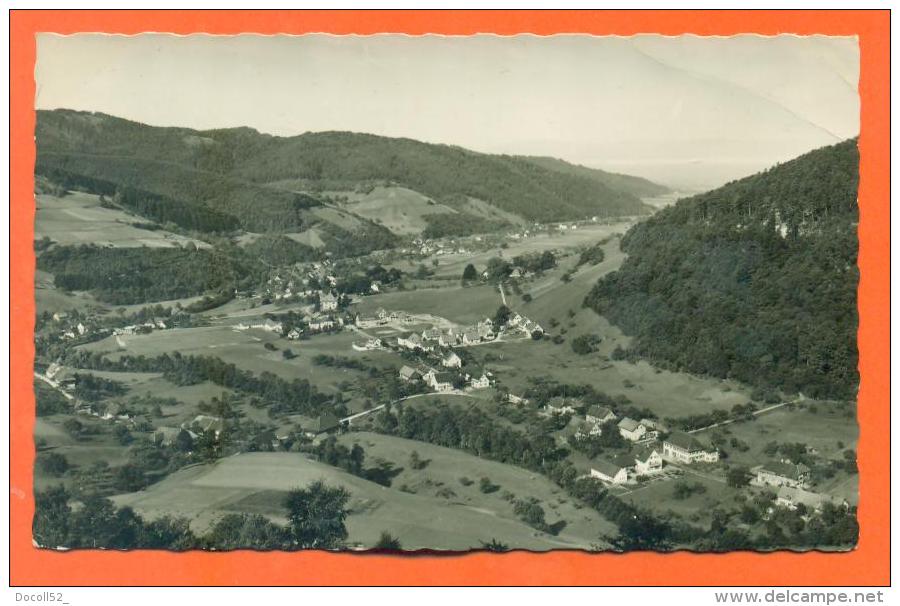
(435, 247)
(299, 281)
(443, 381)
(529, 327)
(649, 453)
(384, 318)
(137, 329)
(432, 338)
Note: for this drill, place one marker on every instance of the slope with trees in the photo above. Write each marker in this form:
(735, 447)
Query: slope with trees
(755, 280)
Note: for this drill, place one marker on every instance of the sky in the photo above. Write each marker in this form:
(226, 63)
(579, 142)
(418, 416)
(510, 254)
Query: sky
(690, 112)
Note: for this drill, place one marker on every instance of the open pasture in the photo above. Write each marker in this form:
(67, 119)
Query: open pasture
(78, 218)
(257, 482)
(245, 349)
(445, 467)
(453, 264)
(399, 209)
(668, 394)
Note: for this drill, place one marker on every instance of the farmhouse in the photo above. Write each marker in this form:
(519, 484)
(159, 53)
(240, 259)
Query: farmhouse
(586, 429)
(409, 374)
(647, 460)
(654, 428)
(780, 473)
(631, 430)
(322, 424)
(451, 360)
(448, 338)
(609, 471)
(514, 399)
(431, 334)
(479, 380)
(599, 415)
(369, 344)
(294, 334)
(328, 302)
(532, 328)
(470, 337)
(321, 323)
(440, 381)
(685, 448)
(559, 405)
(791, 497)
(486, 331)
(206, 423)
(409, 340)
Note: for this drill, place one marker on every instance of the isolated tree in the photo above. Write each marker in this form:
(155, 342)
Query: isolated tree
(737, 477)
(501, 316)
(388, 542)
(357, 459)
(469, 273)
(317, 515)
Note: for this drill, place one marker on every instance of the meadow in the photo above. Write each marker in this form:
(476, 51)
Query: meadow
(257, 482)
(78, 218)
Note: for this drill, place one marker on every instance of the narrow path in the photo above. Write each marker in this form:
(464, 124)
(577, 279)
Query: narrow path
(54, 385)
(754, 413)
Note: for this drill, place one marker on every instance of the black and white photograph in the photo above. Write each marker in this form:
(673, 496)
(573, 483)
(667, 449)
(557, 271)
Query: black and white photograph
(401, 293)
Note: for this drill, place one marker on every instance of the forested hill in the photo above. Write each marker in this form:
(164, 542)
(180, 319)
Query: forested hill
(755, 280)
(254, 176)
(634, 185)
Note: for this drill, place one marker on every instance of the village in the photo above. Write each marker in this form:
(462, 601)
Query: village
(459, 322)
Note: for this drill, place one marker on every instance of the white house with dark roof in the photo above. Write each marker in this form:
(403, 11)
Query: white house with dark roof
(791, 498)
(631, 430)
(647, 460)
(684, 448)
(410, 374)
(451, 360)
(328, 302)
(410, 341)
(479, 380)
(599, 415)
(610, 471)
(559, 405)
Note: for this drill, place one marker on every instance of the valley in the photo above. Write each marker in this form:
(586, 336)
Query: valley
(490, 379)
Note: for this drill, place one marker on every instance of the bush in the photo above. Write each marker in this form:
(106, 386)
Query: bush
(585, 344)
(487, 487)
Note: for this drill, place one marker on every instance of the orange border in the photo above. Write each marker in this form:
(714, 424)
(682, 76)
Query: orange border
(867, 565)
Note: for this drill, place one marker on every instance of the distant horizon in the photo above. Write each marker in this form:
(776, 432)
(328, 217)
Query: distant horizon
(687, 112)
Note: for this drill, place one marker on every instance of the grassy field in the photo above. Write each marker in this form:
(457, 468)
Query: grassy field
(80, 453)
(246, 350)
(453, 264)
(399, 209)
(48, 298)
(658, 496)
(446, 466)
(310, 237)
(78, 218)
(257, 482)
